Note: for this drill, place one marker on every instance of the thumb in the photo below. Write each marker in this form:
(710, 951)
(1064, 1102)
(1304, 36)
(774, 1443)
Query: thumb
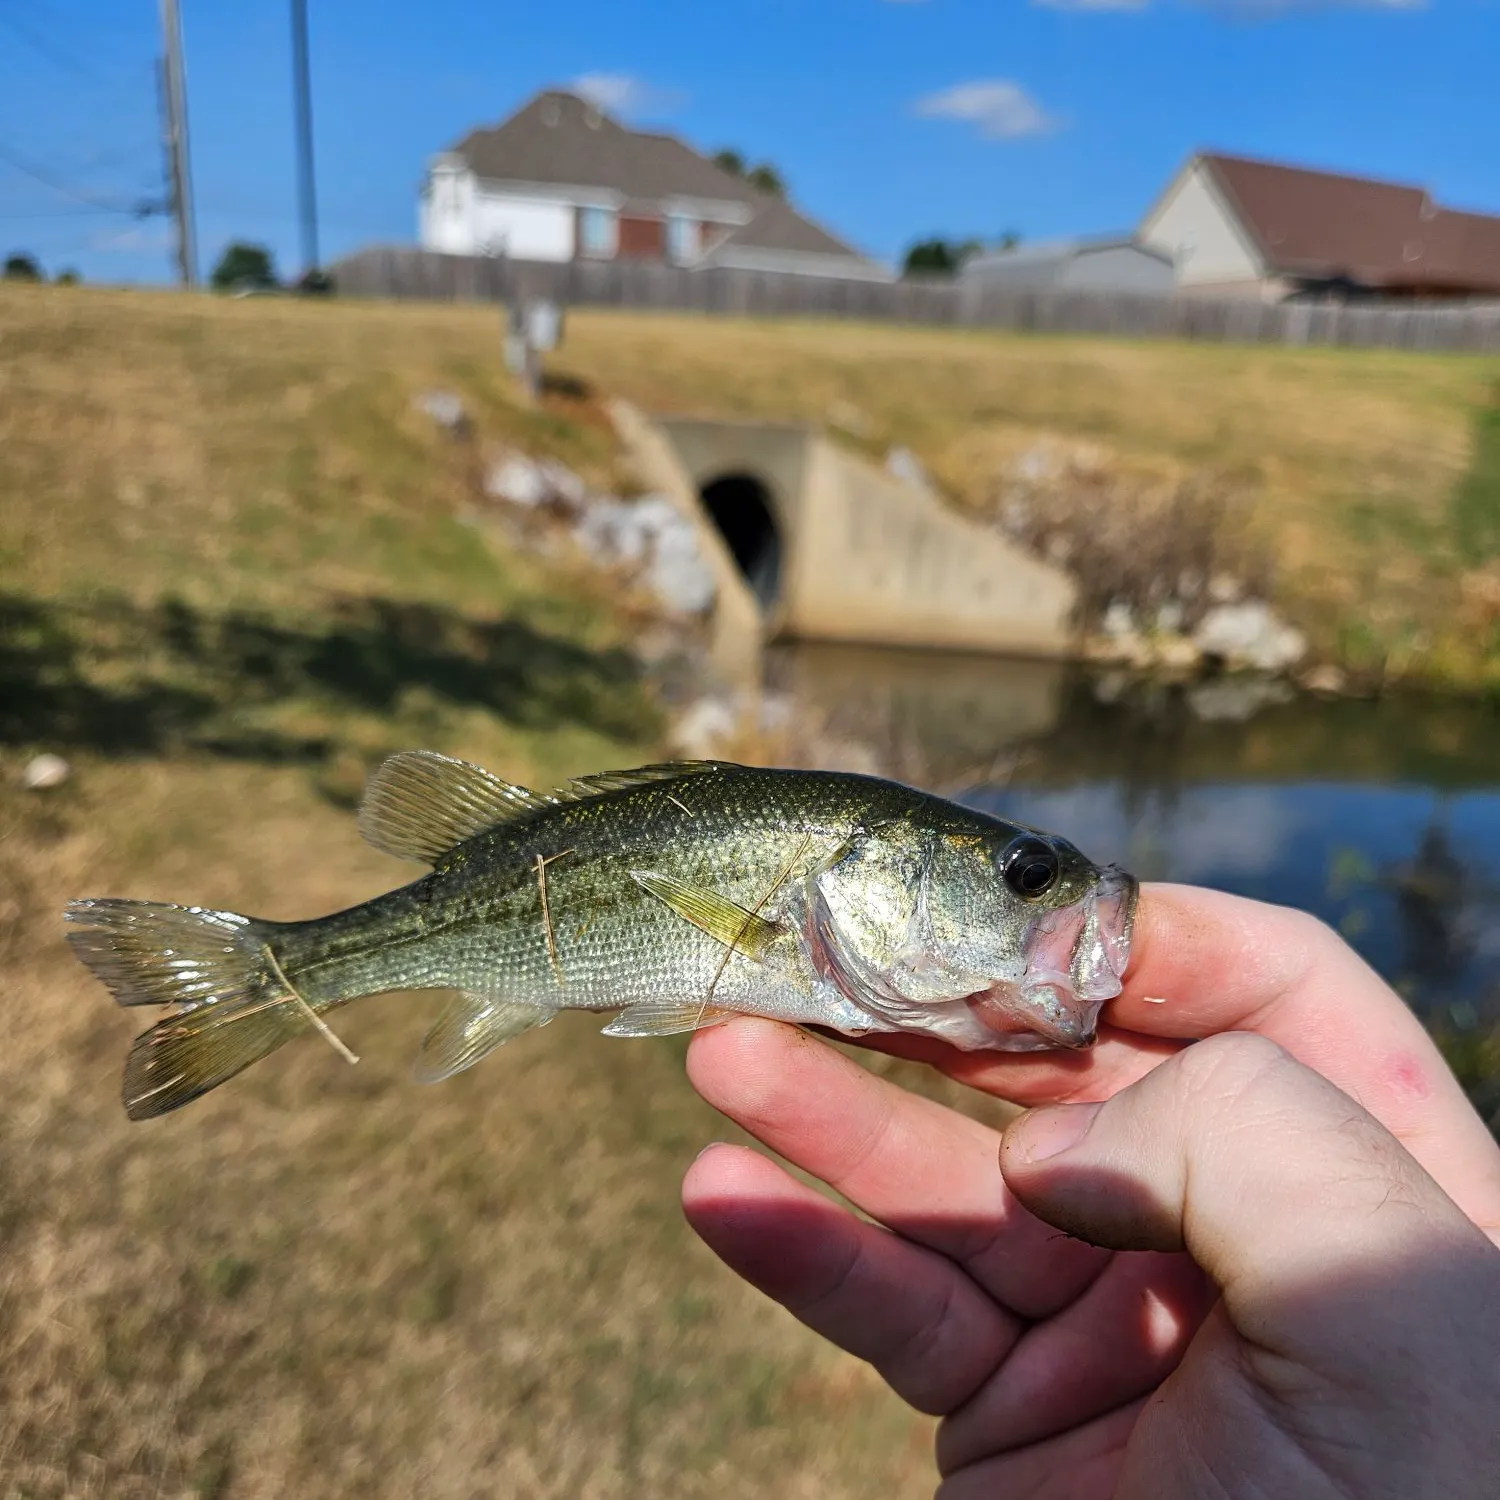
(1263, 1170)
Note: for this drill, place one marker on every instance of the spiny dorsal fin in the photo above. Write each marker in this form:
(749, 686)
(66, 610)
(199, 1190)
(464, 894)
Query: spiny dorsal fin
(471, 1027)
(582, 787)
(718, 916)
(419, 804)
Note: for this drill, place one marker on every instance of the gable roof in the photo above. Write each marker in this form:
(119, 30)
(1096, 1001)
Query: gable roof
(778, 226)
(559, 139)
(1070, 248)
(1381, 234)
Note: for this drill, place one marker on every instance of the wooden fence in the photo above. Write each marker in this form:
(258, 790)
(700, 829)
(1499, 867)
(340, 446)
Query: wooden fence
(399, 272)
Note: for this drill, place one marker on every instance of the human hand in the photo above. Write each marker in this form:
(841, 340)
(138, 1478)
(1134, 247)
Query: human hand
(1301, 1290)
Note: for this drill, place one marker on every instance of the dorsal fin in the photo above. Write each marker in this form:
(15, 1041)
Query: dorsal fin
(419, 804)
(582, 787)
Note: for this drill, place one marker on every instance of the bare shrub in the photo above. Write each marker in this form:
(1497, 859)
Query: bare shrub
(1164, 549)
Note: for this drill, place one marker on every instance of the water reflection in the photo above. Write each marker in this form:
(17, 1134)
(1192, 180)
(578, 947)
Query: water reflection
(1383, 818)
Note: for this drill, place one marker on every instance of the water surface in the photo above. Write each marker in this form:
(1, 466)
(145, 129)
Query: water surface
(1380, 816)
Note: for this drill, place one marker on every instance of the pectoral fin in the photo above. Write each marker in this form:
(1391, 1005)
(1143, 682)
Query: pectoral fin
(469, 1028)
(665, 1018)
(722, 919)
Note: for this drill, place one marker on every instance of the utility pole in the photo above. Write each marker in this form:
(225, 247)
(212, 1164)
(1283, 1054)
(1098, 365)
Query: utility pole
(174, 107)
(307, 194)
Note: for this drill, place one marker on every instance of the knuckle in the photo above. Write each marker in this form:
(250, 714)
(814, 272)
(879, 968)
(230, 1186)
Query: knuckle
(1229, 1071)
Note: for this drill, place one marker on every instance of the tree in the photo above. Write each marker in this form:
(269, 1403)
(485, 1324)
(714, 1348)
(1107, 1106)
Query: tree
(20, 266)
(68, 277)
(245, 265)
(763, 177)
(938, 257)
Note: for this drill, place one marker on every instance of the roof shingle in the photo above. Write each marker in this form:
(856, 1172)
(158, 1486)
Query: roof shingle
(1380, 234)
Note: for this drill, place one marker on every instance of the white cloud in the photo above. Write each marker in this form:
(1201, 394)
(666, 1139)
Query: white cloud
(624, 94)
(1002, 110)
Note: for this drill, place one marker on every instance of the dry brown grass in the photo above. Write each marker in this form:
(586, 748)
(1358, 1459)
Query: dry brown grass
(1352, 457)
(232, 574)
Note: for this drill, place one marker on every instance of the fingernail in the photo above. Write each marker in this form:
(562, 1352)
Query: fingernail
(1046, 1133)
(711, 1146)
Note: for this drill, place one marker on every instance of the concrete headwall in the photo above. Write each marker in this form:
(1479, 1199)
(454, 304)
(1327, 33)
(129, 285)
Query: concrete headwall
(871, 559)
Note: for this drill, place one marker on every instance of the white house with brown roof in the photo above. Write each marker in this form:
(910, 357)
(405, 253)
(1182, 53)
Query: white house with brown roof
(561, 180)
(1259, 228)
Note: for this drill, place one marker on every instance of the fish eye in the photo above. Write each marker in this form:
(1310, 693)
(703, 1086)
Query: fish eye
(1030, 867)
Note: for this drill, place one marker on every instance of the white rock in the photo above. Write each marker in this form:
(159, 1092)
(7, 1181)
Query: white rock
(517, 480)
(678, 574)
(1035, 464)
(44, 772)
(1250, 635)
(610, 533)
(1119, 621)
(1169, 617)
(903, 464)
(567, 489)
(704, 728)
(445, 408)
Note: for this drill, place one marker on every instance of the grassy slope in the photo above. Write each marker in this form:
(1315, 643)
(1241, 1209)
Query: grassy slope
(232, 576)
(1374, 490)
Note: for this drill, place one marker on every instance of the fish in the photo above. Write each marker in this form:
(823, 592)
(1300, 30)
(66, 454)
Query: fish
(673, 896)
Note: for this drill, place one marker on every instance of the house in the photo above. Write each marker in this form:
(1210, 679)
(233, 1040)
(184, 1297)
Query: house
(1105, 263)
(1263, 229)
(562, 181)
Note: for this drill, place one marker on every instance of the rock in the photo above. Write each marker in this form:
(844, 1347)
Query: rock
(1236, 699)
(43, 772)
(1325, 679)
(517, 480)
(1250, 635)
(567, 489)
(679, 575)
(704, 728)
(446, 409)
(1224, 588)
(1118, 621)
(902, 463)
(654, 534)
(1169, 616)
(1111, 687)
(1038, 463)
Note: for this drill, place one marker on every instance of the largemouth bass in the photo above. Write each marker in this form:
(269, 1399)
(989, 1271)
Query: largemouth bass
(675, 896)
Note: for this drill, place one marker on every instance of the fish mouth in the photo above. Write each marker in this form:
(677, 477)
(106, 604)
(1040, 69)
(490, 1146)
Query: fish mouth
(1076, 957)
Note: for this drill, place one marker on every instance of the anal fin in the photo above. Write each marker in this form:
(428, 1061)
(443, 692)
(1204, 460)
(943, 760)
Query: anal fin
(666, 1018)
(470, 1027)
(722, 919)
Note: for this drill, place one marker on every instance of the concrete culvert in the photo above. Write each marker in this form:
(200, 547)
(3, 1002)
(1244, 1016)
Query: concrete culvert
(740, 507)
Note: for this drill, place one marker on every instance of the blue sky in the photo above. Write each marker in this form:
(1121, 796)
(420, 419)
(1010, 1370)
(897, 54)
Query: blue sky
(892, 119)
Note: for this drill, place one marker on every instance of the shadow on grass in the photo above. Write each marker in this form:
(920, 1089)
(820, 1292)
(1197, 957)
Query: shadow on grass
(124, 679)
(1474, 509)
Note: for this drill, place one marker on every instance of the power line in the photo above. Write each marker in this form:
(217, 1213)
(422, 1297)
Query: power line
(141, 208)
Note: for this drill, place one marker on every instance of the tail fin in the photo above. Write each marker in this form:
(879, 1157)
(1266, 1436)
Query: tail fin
(216, 967)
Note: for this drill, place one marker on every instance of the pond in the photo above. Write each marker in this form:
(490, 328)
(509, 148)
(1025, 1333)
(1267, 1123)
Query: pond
(1380, 816)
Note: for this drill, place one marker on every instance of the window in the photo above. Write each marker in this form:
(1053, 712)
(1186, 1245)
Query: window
(596, 232)
(682, 238)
